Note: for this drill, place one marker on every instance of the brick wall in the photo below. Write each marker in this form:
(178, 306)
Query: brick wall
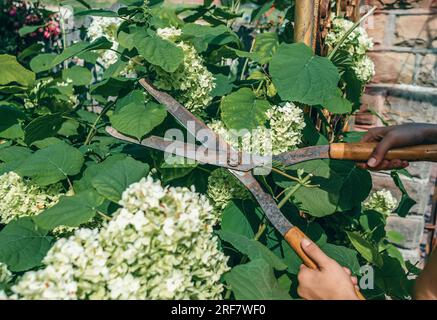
(403, 90)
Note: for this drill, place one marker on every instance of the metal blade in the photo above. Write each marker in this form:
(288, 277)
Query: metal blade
(304, 154)
(265, 200)
(200, 154)
(185, 117)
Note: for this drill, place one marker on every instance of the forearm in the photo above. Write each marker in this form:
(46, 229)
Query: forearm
(430, 134)
(426, 284)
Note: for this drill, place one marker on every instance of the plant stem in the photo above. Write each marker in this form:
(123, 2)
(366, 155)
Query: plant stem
(246, 62)
(293, 191)
(93, 128)
(282, 173)
(104, 216)
(356, 24)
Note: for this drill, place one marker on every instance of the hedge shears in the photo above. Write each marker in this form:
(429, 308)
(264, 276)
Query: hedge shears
(215, 151)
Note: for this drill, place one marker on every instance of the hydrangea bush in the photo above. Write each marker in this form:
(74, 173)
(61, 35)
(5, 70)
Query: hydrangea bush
(159, 245)
(357, 43)
(136, 237)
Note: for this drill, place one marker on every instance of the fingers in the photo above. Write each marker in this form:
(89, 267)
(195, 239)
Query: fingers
(315, 253)
(353, 279)
(386, 165)
(374, 134)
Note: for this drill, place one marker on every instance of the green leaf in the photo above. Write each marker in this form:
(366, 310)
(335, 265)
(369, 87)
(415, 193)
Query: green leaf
(341, 186)
(79, 75)
(137, 119)
(97, 13)
(395, 237)
(344, 256)
(243, 110)
(116, 178)
(13, 72)
(365, 248)
(373, 223)
(52, 164)
(234, 220)
(69, 128)
(301, 76)
(70, 211)
(223, 85)
(28, 29)
(255, 281)
(202, 35)
(23, 245)
(253, 249)
(81, 47)
(406, 202)
(338, 105)
(42, 62)
(14, 153)
(160, 52)
(10, 122)
(42, 127)
(264, 48)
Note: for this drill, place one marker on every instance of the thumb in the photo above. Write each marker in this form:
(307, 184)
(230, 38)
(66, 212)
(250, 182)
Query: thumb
(380, 151)
(314, 252)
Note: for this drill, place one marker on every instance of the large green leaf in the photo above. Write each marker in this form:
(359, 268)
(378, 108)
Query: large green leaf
(344, 256)
(42, 62)
(253, 249)
(116, 178)
(10, 122)
(96, 13)
(13, 72)
(70, 211)
(202, 35)
(234, 220)
(365, 248)
(138, 119)
(341, 186)
(23, 245)
(79, 75)
(255, 281)
(81, 47)
(243, 110)
(52, 164)
(264, 48)
(43, 127)
(301, 76)
(160, 52)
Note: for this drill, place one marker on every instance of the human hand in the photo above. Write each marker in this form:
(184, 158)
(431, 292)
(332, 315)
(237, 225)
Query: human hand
(329, 282)
(396, 136)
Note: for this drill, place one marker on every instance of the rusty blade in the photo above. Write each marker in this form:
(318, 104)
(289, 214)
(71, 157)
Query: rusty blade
(304, 154)
(265, 200)
(186, 118)
(200, 154)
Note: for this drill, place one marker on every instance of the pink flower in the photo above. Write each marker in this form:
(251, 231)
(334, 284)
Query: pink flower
(13, 11)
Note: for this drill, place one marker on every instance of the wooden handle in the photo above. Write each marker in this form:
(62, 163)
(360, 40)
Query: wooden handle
(294, 237)
(363, 151)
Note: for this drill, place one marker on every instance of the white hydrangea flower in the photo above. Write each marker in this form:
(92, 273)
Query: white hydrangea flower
(283, 132)
(364, 69)
(5, 274)
(223, 187)
(192, 79)
(132, 256)
(382, 201)
(357, 44)
(105, 27)
(22, 198)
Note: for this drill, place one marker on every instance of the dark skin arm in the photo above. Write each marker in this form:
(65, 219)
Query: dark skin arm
(397, 136)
